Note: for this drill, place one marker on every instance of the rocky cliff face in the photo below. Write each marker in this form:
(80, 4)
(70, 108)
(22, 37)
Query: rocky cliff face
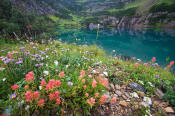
(32, 6)
(139, 21)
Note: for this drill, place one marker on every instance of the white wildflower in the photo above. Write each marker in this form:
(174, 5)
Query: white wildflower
(98, 25)
(67, 66)
(134, 95)
(40, 87)
(105, 73)
(22, 102)
(138, 59)
(42, 58)
(147, 100)
(94, 71)
(3, 79)
(1, 69)
(150, 84)
(141, 82)
(113, 50)
(46, 72)
(56, 63)
(90, 76)
(27, 107)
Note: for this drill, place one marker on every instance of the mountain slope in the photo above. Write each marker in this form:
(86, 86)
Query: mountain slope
(139, 13)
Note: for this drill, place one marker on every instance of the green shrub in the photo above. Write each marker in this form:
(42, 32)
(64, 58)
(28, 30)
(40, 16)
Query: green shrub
(162, 8)
(170, 96)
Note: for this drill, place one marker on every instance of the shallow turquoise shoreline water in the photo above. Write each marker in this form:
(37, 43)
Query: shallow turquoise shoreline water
(143, 44)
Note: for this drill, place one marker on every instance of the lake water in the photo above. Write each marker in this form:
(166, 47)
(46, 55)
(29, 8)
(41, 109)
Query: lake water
(143, 44)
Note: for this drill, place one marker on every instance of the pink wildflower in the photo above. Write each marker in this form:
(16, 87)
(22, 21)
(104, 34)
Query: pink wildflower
(145, 64)
(96, 94)
(61, 74)
(14, 87)
(169, 66)
(3, 65)
(26, 87)
(58, 100)
(172, 63)
(29, 77)
(83, 80)
(41, 102)
(153, 59)
(52, 84)
(104, 82)
(58, 83)
(94, 83)
(57, 94)
(82, 73)
(133, 58)
(113, 100)
(100, 77)
(43, 82)
(84, 86)
(87, 95)
(36, 94)
(136, 65)
(103, 99)
(28, 96)
(51, 96)
(91, 101)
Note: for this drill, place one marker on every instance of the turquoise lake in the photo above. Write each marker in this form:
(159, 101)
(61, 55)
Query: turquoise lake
(142, 44)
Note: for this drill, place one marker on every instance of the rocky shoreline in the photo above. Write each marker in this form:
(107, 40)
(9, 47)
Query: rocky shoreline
(137, 21)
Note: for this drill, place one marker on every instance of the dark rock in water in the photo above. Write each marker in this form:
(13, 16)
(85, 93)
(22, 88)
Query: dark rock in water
(137, 87)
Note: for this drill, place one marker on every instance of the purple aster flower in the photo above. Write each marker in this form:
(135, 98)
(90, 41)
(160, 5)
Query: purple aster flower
(41, 64)
(13, 60)
(157, 76)
(69, 83)
(42, 52)
(56, 70)
(38, 60)
(19, 62)
(36, 65)
(13, 96)
(47, 49)
(41, 78)
(22, 49)
(55, 51)
(7, 61)
(36, 55)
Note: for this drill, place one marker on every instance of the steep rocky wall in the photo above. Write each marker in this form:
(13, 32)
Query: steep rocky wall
(139, 21)
(31, 6)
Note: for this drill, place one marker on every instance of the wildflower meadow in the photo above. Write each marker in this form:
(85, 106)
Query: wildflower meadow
(61, 79)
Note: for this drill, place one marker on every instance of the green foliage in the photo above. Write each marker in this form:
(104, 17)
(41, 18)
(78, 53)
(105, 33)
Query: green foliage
(163, 7)
(118, 13)
(5, 9)
(170, 95)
